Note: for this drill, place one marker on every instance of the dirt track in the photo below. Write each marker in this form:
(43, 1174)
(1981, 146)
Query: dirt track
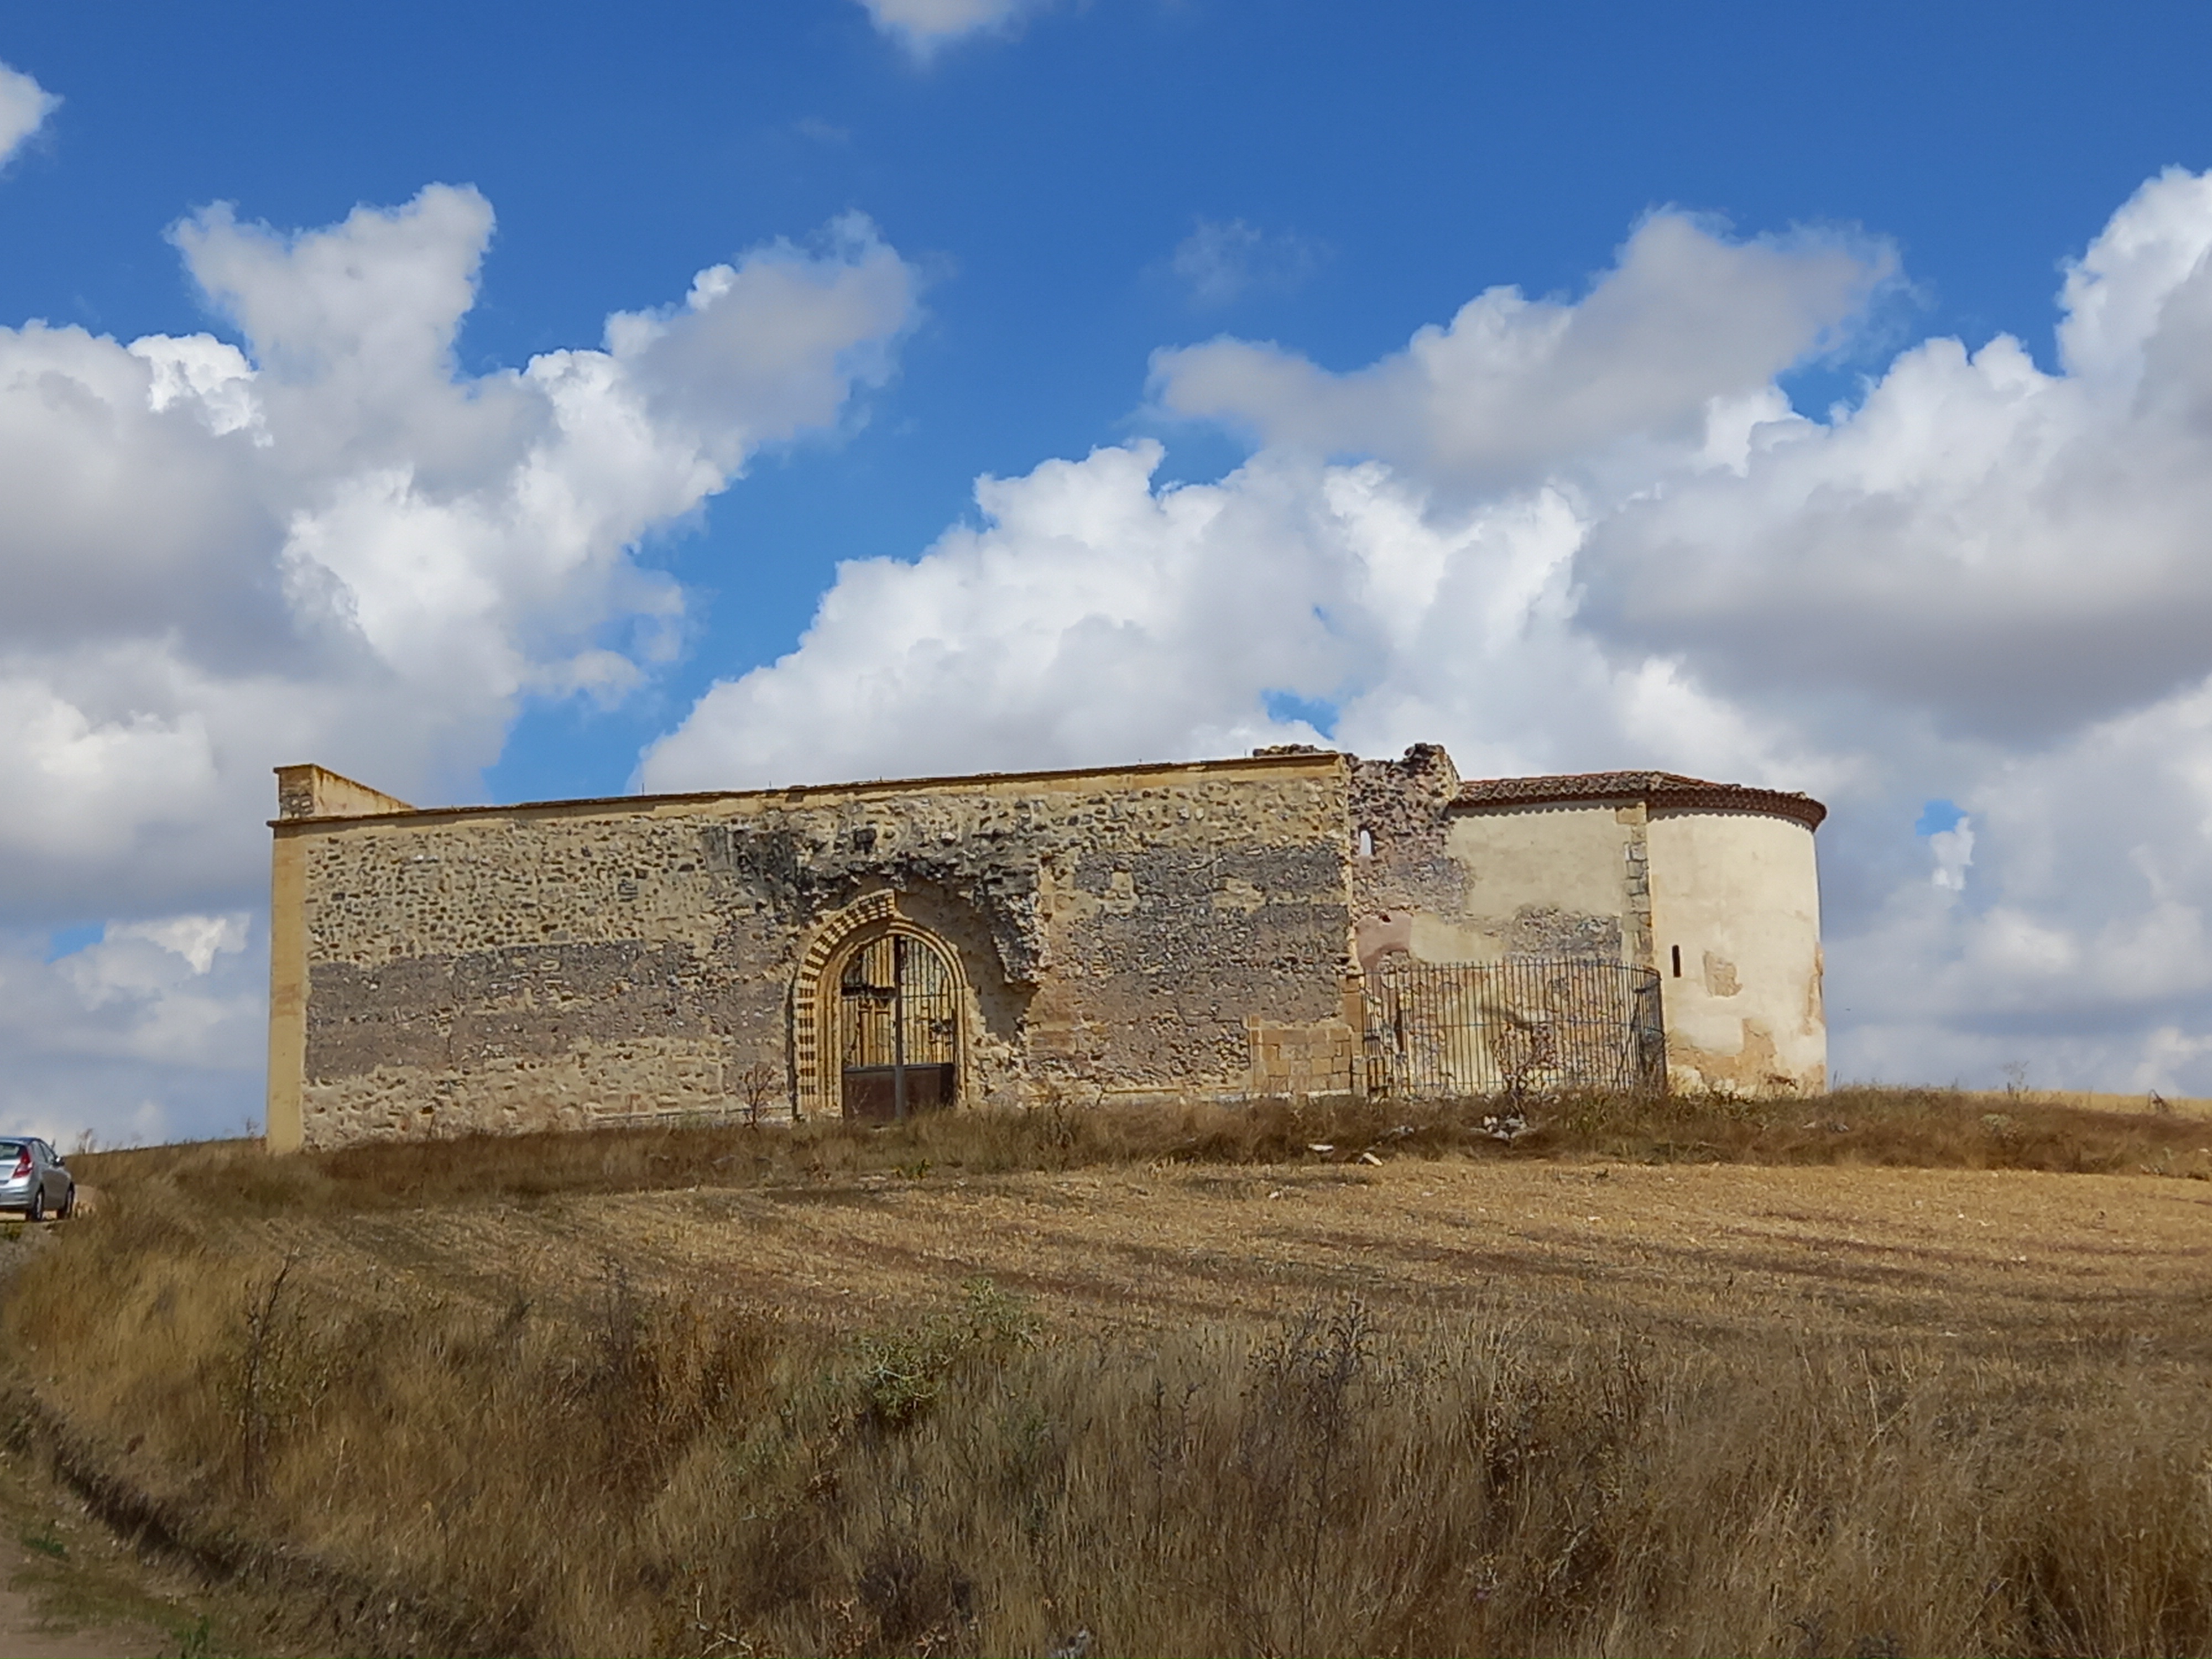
(71, 1589)
(27, 1632)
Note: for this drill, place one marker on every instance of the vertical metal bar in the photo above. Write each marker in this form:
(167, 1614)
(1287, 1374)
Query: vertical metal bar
(898, 1027)
(1467, 1033)
(1397, 1055)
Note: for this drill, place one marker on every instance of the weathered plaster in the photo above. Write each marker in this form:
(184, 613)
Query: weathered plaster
(1732, 893)
(1541, 880)
(1737, 895)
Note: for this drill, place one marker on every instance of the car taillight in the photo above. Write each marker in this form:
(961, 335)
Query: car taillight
(22, 1164)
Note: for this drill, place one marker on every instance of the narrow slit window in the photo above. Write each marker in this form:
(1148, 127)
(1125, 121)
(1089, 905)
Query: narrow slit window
(1367, 843)
(1678, 961)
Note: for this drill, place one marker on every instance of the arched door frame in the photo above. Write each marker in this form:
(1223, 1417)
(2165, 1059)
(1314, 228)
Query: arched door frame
(814, 1000)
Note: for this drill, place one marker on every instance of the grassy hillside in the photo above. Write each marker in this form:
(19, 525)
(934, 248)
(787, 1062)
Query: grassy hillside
(1877, 1373)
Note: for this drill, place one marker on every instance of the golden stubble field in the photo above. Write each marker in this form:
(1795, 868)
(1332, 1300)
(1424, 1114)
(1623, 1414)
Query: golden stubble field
(1981, 1258)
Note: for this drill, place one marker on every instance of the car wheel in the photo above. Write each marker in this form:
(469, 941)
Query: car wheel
(69, 1204)
(36, 1209)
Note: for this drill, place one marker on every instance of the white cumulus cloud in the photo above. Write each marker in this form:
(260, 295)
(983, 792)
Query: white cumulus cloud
(924, 26)
(2005, 550)
(24, 107)
(1953, 850)
(151, 1031)
(1222, 260)
(1566, 534)
(1513, 386)
(322, 539)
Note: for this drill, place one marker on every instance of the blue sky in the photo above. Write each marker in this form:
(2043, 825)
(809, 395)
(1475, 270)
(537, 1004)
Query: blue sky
(1063, 192)
(1044, 178)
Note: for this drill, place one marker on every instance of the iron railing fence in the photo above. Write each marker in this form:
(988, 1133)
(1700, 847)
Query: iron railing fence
(1533, 1026)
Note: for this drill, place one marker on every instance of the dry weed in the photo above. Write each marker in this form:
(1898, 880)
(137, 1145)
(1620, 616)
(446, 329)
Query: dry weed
(1936, 1128)
(640, 1471)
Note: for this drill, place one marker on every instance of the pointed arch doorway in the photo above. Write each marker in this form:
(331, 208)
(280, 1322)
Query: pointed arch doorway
(895, 1036)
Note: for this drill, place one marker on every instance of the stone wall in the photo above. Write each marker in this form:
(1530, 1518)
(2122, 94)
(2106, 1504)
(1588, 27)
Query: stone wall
(1150, 932)
(581, 962)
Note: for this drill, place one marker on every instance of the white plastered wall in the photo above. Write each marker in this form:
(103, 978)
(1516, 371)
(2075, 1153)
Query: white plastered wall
(1571, 860)
(1735, 899)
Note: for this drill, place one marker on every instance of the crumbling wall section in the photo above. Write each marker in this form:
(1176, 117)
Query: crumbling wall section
(1400, 821)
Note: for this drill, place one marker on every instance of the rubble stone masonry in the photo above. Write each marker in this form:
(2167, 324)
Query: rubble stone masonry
(1115, 933)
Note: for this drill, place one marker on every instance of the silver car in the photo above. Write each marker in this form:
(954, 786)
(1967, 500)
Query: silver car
(34, 1180)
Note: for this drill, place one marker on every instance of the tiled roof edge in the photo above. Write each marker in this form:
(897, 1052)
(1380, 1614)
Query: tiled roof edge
(1652, 788)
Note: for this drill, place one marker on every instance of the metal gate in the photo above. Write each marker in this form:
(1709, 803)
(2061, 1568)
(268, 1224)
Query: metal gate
(898, 1028)
(1526, 1027)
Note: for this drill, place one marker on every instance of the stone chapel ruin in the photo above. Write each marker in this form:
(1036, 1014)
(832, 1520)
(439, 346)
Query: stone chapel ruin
(1296, 922)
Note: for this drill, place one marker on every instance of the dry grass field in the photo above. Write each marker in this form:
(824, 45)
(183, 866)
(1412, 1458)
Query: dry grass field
(1975, 1259)
(1875, 1374)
